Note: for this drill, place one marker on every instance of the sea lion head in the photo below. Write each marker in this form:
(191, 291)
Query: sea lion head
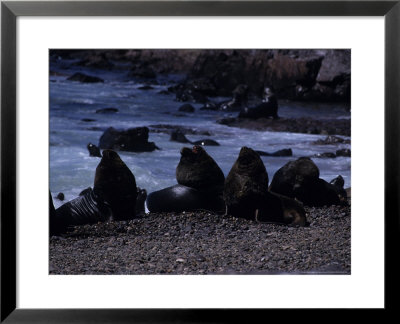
(197, 169)
(250, 163)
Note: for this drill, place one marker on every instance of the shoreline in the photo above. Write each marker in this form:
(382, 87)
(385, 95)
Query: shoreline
(205, 243)
(302, 125)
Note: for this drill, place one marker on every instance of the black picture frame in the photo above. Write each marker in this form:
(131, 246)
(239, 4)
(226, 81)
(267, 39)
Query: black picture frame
(10, 10)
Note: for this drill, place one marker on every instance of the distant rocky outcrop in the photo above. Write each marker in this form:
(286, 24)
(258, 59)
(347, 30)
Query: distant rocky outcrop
(312, 75)
(132, 140)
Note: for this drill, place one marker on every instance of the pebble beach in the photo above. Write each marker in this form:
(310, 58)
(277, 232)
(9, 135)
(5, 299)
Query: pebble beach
(199, 243)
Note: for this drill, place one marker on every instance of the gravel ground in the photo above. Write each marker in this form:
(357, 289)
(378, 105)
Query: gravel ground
(206, 243)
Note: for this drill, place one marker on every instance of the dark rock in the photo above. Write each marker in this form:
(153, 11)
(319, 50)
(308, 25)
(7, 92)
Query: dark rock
(88, 120)
(164, 92)
(60, 196)
(132, 140)
(343, 152)
(80, 77)
(146, 87)
(107, 111)
(206, 142)
(325, 155)
(209, 106)
(178, 136)
(142, 71)
(96, 60)
(283, 152)
(187, 108)
(331, 140)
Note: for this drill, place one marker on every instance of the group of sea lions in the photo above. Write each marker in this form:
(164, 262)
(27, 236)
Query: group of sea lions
(201, 185)
(239, 102)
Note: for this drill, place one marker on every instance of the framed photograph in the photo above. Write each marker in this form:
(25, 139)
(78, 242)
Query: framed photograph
(196, 152)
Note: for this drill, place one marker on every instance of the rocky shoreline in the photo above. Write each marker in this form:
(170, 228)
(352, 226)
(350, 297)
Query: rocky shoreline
(292, 125)
(206, 243)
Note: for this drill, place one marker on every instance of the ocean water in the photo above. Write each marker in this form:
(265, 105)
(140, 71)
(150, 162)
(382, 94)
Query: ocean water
(72, 169)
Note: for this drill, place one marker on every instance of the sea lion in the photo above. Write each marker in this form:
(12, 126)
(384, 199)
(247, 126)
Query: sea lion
(338, 184)
(178, 136)
(246, 194)
(115, 184)
(268, 107)
(179, 198)
(113, 197)
(200, 185)
(85, 209)
(281, 209)
(238, 101)
(198, 170)
(246, 185)
(300, 179)
(93, 150)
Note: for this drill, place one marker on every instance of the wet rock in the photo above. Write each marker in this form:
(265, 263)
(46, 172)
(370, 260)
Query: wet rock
(146, 87)
(107, 111)
(187, 108)
(60, 196)
(178, 136)
(283, 152)
(332, 139)
(343, 152)
(96, 60)
(132, 140)
(328, 155)
(80, 77)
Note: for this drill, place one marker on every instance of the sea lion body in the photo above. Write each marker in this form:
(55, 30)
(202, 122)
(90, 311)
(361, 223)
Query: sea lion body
(239, 100)
(246, 194)
(200, 185)
(196, 169)
(115, 184)
(268, 107)
(85, 209)
(93, 150)
(300, 179)
(113, 197)
(178, 136)
(282, 209)
(246, 185)
(181, 198)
